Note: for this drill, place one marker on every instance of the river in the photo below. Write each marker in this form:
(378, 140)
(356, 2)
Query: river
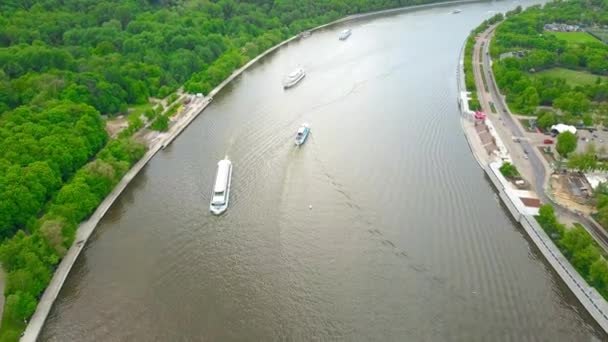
(381, 227)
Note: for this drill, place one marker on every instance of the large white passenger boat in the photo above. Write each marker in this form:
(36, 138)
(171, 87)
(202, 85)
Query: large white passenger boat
(345, 34)
(294, 77)
(221, 189)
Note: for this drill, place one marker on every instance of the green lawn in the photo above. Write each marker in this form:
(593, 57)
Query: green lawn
(139, 109)
(571, 76)
(575, 37)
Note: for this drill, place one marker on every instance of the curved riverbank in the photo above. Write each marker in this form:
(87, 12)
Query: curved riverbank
(593, 302)
(86, 228)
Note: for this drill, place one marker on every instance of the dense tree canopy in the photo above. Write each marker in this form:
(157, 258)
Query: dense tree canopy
(116, 52)
(522, 78)
(39, 149)
(579, 247)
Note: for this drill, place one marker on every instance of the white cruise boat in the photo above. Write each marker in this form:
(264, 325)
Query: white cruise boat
(221, 189)
(345, 34)
(456, 11)
(293, 78)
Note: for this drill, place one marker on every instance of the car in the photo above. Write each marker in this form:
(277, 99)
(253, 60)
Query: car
(548, 141)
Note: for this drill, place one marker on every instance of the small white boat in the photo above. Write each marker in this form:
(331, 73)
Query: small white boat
(221, 189)
(456, 11)
(293, 78)
(302, 134)
(345, 34)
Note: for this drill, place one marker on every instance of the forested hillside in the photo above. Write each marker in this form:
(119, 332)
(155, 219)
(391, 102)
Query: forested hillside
(112, 53)
(564, 70)
(65, 63)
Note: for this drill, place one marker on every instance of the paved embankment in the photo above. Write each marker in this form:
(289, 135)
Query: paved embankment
(86, 228)
(593, 302)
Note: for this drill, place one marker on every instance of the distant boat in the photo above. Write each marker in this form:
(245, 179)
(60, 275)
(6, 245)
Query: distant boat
(221, 189)
(302, 134)
(345, 34)
(294, 77)
(456, 11)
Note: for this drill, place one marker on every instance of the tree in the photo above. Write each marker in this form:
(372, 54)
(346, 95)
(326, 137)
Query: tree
(598, 274)
(51, 230)
(546, 120)
(566, 144)
(161, 123)
(546, 218)
(583, 162)
(20, 306)
(587, 119)
(509, 170)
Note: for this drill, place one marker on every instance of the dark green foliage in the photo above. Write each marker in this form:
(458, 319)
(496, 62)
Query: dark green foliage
(566, 144)
(39, 149)
(517, 77)
(579, 247)
(161, 123)
(29, 260)
(116, 52)
(509, 170)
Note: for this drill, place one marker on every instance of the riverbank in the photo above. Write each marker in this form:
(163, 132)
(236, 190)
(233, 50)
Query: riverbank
(593, 302)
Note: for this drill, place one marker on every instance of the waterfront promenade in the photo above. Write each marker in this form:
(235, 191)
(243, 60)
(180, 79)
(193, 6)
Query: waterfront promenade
(531, 165)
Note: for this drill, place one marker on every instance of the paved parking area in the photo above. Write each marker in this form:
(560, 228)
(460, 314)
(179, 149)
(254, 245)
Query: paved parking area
(599, 138)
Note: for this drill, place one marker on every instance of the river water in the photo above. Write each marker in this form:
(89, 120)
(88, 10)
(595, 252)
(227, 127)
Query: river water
(381, 227)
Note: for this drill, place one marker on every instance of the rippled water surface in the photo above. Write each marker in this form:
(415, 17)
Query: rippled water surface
(405, 239)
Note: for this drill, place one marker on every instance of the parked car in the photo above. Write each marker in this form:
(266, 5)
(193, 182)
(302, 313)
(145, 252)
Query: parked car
(548, 141)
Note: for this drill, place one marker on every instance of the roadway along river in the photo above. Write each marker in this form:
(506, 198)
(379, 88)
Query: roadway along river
(405, 241)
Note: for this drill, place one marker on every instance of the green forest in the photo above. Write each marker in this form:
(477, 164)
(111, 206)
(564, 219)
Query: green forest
(564, 73)
(67, 65)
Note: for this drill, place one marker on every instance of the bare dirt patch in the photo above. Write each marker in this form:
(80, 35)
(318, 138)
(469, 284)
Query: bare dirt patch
(567, 192)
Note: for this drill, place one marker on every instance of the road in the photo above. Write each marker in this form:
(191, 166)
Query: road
(532, 164)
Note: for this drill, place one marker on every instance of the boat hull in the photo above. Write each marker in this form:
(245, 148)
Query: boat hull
(294, 82)
(302, 140)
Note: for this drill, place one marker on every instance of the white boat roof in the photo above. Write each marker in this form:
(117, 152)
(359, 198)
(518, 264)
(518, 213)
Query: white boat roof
(295, 72)
(223, 171)
(301, 129)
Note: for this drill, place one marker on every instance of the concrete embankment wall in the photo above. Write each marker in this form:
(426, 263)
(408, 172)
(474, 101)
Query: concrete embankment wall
(82, 235)
(593, 302)
(86, 228)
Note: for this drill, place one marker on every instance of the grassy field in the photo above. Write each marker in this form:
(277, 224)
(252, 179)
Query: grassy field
(139, 109)
(575, 37)
(571, 76)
